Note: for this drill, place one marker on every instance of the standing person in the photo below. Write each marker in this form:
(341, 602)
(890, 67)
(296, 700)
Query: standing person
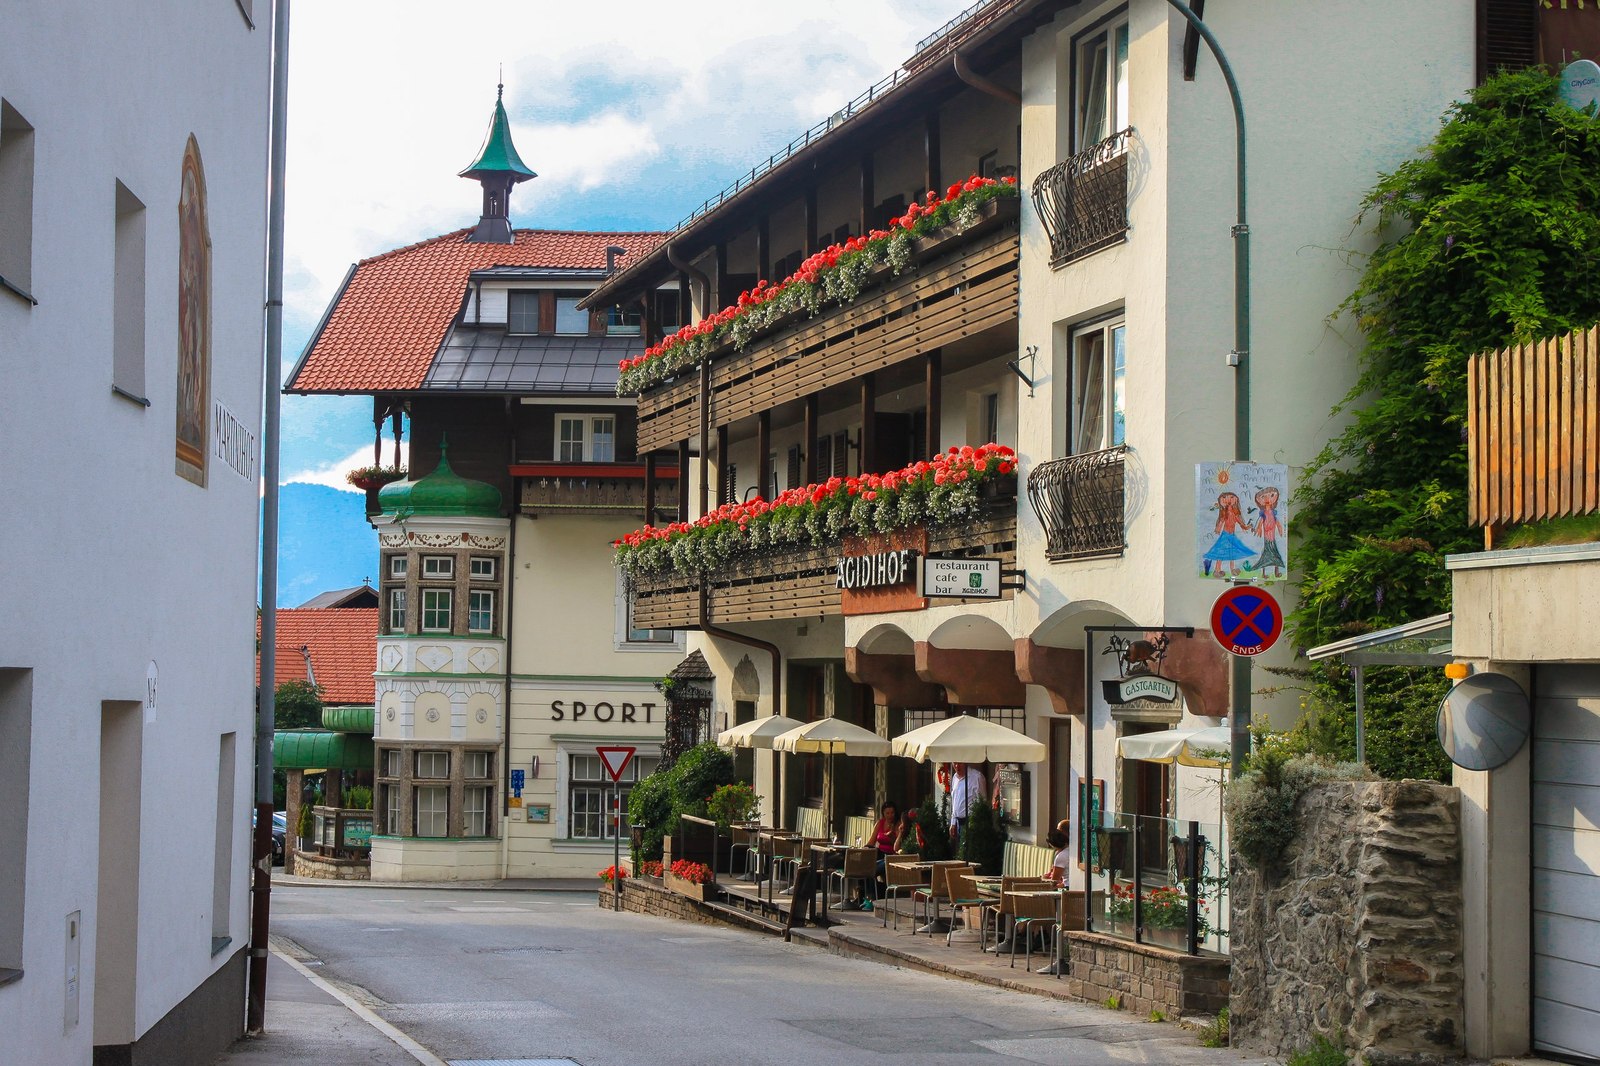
(966, 791)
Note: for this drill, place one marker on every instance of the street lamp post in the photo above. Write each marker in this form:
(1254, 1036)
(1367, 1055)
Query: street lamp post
(1239, 358)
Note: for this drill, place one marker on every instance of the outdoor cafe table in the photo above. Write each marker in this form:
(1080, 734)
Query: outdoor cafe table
(766, 841)
(1060, 895)
(826, 855)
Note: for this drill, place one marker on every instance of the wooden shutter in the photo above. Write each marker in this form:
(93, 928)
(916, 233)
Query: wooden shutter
(824, 446)
(841, 455)
(1508, 35)
(795, 468)
(730, 483)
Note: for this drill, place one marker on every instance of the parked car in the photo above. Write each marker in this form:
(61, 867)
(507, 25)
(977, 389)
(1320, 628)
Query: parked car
(280, 834)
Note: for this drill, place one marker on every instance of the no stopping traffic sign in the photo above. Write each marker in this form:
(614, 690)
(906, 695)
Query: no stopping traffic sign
(1246, 620)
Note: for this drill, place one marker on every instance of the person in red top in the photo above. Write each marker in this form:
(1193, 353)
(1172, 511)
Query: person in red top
(886, 836)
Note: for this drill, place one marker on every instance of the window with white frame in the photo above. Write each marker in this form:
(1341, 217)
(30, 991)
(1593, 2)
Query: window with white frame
(589, 794)
(391, 809)
(480, 611)
(433, 764)
(629, 635)
(433, 811)
(397, 567)
(438, 567)
(1100, 82)
(482, 568)
(392, 763)
(569, 318)
(436, 604)
(475, 811)
(477, 764)
(1098, 404)
(522, 311)
(397, 610)
(586, 438)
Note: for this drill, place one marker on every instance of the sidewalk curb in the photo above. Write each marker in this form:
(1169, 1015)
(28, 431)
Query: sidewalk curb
(404, 1042)
(520, 884)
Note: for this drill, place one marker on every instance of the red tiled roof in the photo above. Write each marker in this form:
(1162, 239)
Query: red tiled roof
(389, 319)
(343, 646)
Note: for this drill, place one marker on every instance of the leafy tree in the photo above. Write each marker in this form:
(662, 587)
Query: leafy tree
(1489, 238)
(298, 706)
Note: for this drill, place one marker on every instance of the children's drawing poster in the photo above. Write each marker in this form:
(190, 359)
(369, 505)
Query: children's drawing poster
(1241, 521)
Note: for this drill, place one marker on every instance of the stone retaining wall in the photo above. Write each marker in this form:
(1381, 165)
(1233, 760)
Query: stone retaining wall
(308, 865)
(1358, 939)
(1145, 978)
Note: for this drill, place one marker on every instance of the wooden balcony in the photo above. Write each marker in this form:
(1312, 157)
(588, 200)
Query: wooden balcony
(1533, 431)
(800, 584)
(964, 283)
(593, 488)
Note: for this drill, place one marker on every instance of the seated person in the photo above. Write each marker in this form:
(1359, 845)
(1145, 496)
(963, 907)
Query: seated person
(887, 835)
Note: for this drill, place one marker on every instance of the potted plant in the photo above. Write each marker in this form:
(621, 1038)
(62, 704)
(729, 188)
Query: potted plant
(692, 879)
(370, 478)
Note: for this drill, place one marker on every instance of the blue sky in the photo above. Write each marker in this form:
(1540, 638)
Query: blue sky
(631, 113)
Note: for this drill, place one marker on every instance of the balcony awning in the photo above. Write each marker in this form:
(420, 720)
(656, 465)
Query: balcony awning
(1425, 642)
(317, 749)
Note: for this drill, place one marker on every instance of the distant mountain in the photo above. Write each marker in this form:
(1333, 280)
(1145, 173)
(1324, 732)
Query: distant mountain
(324, 542)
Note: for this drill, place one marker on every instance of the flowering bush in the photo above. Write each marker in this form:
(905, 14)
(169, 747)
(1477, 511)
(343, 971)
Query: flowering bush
(613, 873)
(696, 873)
(732, 803)
(836, 275)
(934, 492)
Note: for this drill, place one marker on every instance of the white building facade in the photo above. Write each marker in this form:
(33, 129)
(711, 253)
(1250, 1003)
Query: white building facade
(133, 158)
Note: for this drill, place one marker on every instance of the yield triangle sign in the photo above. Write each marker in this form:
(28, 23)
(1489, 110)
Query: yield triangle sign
(616, 760)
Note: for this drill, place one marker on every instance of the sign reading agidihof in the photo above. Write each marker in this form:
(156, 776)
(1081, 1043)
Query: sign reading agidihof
(968, 578)
(1242, 521)
(879, 570)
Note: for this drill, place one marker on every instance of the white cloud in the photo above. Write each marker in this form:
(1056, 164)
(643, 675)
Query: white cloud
(333, 474)
(617, 104)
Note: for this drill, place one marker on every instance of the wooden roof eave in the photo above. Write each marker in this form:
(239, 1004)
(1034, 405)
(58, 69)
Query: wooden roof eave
(936, 78)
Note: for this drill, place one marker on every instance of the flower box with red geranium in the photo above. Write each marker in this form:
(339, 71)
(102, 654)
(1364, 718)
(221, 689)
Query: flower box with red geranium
(367, 478)
(612, 873)
(947, 490)
(834, 276)
(693, 879)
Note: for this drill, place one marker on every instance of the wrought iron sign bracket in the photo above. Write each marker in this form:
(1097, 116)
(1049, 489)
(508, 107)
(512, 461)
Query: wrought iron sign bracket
(1021, 579)
(1031, 355)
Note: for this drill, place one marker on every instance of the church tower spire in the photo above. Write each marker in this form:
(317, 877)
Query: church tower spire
(498, 169)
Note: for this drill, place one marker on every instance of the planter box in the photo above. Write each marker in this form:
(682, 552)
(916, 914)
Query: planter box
(677, 884)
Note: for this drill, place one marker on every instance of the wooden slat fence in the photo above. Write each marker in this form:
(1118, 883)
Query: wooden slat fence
(1533, 431)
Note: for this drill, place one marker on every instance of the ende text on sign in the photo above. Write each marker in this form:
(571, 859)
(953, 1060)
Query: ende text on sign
(874, 571)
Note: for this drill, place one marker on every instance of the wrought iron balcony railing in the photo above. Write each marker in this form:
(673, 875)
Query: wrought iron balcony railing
(1083, 200)
(1079, 500)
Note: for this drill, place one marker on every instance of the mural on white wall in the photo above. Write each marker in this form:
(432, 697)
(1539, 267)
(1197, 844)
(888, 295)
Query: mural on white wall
(1242, 521)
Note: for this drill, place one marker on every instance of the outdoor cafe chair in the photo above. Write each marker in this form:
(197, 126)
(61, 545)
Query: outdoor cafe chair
(963, 894)
(1001, 909)
(937, 889)
(1034, 911)
(786, 854)
(860, 864)
(900, 874)
(748, 838)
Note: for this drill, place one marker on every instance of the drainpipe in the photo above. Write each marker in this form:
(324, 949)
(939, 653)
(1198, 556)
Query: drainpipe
(311, 675)
(271, 378)
(981, 83)
(681, 264)
(506, 591)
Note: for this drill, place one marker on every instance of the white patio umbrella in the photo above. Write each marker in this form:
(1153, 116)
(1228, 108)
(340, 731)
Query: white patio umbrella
(1208, 747)
(760, 733)
(832, 736)
(968, 739)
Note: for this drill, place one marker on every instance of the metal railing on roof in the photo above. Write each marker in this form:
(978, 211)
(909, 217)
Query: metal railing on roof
(931, 48)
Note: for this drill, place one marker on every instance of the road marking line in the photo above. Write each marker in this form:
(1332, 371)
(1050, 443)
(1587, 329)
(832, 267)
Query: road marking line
(405, 1043)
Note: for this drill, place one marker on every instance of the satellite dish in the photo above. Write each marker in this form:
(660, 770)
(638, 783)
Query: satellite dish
(1484, 721)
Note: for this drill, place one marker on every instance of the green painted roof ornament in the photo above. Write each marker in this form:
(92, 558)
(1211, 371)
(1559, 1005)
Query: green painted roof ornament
(498, 156)
(441, 493)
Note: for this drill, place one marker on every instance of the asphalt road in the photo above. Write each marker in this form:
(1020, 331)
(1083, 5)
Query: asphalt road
(548, 975)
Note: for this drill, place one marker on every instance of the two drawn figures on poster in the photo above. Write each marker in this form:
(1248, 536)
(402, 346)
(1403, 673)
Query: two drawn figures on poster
(1242, 521)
